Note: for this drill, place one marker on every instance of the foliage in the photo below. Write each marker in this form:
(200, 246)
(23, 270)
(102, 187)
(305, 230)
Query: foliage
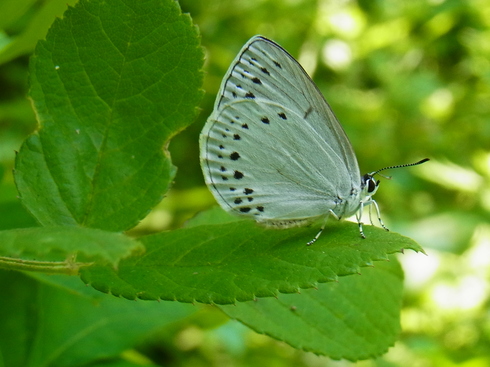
(111, 85)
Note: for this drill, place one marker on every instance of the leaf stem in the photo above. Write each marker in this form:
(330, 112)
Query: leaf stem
(68, 267)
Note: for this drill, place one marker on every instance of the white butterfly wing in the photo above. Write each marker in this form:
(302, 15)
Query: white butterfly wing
(272, 148)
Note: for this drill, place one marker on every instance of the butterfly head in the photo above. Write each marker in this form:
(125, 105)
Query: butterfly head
(369, 185)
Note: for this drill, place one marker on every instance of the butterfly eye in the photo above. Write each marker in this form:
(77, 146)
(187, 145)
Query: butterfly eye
(369, 182)
(372, 185)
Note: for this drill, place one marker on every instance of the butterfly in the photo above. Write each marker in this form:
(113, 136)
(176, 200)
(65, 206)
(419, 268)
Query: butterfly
(273, 150)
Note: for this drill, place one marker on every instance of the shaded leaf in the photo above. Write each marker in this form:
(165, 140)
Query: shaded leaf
(356, 318)
(51, 248)
(57, 321)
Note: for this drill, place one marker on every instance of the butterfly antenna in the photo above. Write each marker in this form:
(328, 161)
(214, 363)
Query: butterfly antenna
(399, 166)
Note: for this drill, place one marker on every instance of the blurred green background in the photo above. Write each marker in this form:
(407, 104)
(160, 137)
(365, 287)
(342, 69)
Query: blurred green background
(407, 80)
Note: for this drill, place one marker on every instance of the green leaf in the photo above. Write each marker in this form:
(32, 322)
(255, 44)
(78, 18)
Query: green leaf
(15, 9)
(14, 215)
(240, 261)
(356, 318)
(112, 83)
(39, 19)
(58, 321)
(215, 215)
(63, 249)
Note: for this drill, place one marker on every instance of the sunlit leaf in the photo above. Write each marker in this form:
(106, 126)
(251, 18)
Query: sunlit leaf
(110, 85)
(240, 261)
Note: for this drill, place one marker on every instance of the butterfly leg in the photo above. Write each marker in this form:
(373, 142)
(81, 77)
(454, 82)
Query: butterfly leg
(359, 219)
(379, 215)
(370, 215)
(322, 228)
